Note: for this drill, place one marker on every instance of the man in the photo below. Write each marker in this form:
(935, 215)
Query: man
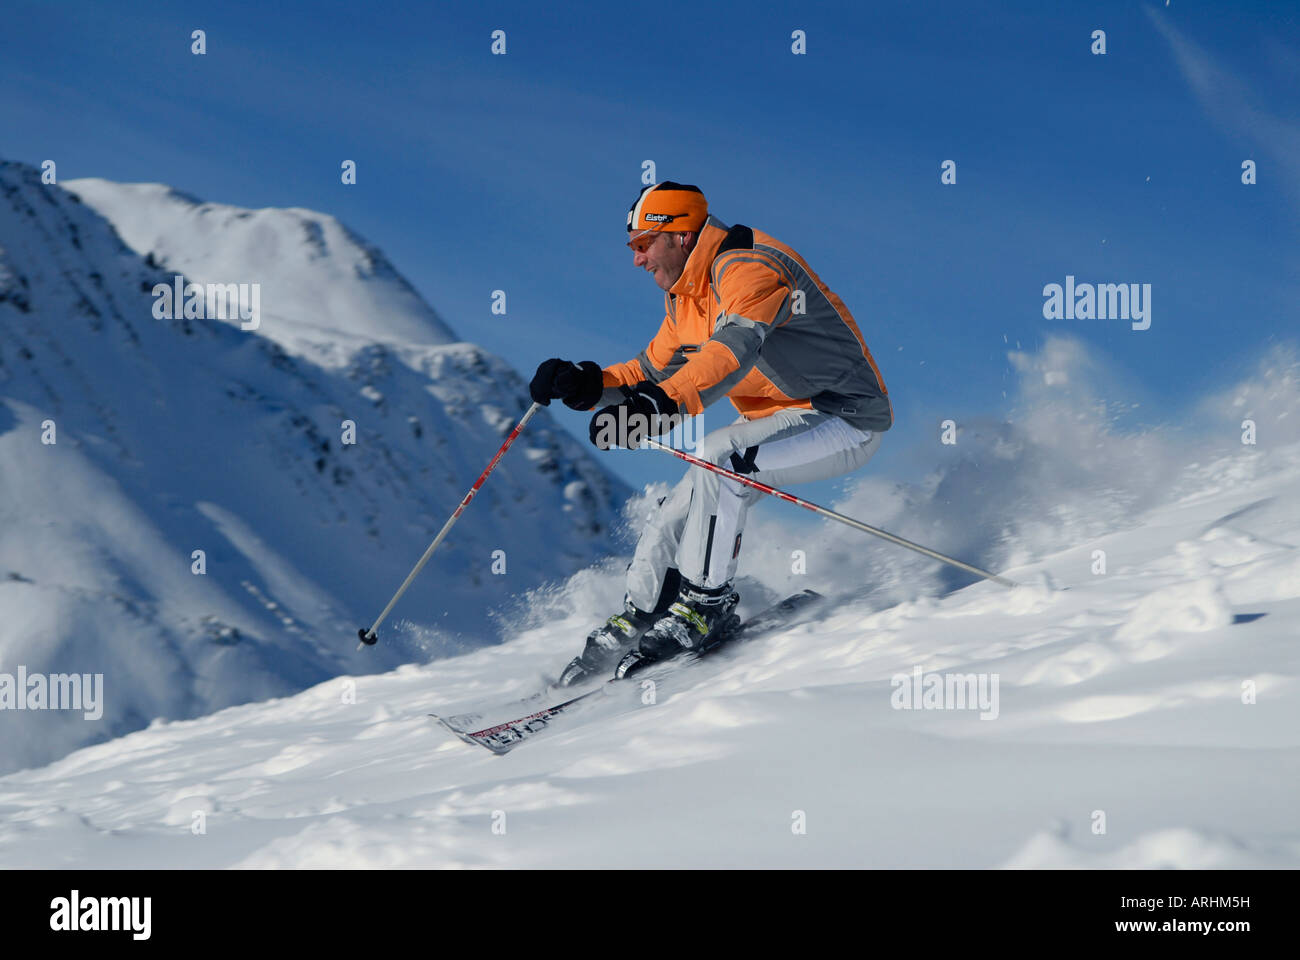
(747, 319)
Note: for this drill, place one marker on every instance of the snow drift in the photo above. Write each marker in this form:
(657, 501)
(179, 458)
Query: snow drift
(1146, 678)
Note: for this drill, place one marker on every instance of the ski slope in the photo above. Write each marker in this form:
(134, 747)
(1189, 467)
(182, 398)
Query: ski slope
(1119, 693)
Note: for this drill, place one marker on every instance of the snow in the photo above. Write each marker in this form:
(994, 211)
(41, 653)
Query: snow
(322, 286)
(1122, 701)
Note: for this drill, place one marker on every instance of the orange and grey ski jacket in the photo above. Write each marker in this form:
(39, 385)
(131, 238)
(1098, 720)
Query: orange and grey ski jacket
(735, 326)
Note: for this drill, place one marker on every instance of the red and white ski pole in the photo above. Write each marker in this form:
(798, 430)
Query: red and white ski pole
(856, 524)
(368, 636)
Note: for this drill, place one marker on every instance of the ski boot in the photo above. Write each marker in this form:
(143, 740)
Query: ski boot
(699, 619)
(605, 643)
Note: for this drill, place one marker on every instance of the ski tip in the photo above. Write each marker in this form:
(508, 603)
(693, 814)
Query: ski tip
(495, 749)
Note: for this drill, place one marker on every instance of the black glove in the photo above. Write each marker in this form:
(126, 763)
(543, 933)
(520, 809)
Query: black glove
(579, 385)
(646, 411)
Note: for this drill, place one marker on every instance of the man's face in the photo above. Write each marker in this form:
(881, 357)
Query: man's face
(663, 255)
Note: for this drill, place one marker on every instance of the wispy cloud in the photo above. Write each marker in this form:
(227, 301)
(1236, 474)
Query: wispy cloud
(1233, 104)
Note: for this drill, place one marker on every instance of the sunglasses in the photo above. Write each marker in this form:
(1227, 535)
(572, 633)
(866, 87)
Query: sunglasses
(642, 243)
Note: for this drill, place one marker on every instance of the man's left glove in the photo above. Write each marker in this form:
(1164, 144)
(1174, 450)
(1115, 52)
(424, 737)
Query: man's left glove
(577, 384)
(645, 411)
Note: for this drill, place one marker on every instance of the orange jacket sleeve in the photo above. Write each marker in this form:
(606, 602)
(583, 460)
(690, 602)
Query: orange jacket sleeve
(650, 363)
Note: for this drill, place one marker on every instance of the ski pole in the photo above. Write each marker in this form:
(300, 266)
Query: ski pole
(368, 636)
(856, 524)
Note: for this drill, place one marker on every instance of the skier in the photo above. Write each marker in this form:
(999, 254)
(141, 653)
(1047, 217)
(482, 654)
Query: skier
(746, 318)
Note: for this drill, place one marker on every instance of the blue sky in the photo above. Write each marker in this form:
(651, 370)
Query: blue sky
(479, 172)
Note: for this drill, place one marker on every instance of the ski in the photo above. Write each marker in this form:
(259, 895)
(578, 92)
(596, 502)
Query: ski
(502, 736)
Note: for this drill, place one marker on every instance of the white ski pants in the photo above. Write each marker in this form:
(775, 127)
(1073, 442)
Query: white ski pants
(697, 528)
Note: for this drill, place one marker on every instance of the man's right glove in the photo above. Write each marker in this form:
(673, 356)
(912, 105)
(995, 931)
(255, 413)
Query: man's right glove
(579, 385)
(645, 411)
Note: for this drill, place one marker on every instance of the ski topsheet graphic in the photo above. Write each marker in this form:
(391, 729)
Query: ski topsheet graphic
(505, 736)
(503, 727)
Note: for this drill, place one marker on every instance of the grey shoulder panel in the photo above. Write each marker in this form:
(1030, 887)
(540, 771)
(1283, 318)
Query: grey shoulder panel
(744, 338)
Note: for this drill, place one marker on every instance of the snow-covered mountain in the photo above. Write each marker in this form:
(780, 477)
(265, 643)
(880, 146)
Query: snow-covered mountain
(128, 442)
(325, 292)
(1145, 714)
